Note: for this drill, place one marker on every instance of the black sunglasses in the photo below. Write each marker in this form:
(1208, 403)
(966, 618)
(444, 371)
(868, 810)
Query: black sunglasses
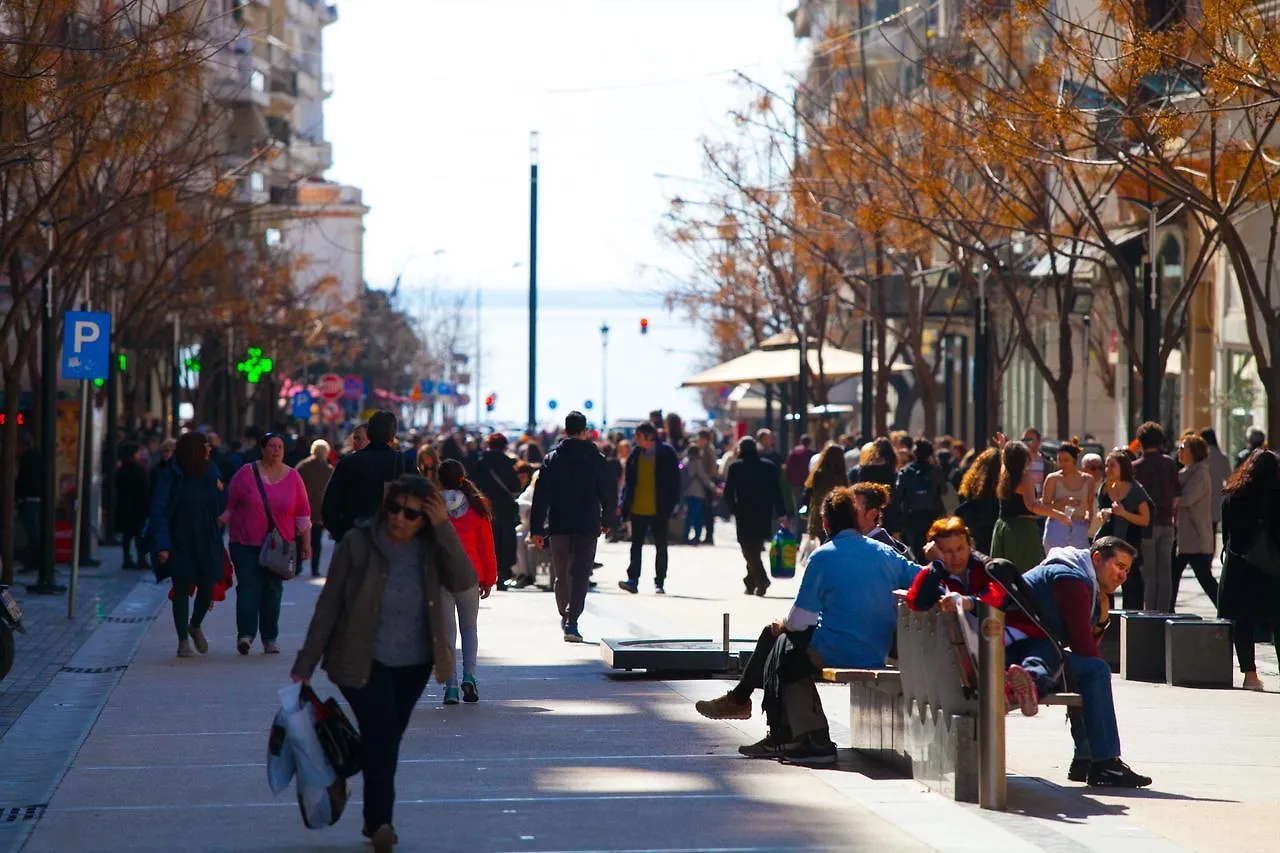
(397, 508)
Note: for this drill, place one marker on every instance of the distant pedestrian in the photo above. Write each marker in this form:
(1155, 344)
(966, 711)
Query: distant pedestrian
(167, 447)
(1194, 521)
(378, 630)
(316, 472)
(260, 591)
(360, 478)
(883, 469)
(133, 504)
(1125, 509)
(828, 476)
(918, 495)
(1219, 470)
(979, 507)
(797, 469)
(429, 463)
(711, 464)
(573, 500)
(1250, 592)
(471, 518)
(651, 494)
(28, 486)
(698, 489)
(753, 492)
(1016, 536)
(1071, 490)
(185, 523)
(495, 475)
(1158, 475)
(1255, 440)
(613, 467)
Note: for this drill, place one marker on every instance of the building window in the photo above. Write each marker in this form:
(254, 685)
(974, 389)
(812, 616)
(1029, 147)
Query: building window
(258, 81)
(271, 237)
(256, 182)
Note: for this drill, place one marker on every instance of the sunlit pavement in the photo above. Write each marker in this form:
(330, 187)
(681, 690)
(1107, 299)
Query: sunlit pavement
(559, 757)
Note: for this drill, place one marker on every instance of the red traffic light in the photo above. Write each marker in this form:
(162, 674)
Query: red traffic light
(644, 326)
(489, 401)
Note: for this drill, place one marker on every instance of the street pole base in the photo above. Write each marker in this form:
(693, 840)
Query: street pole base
(46, 588)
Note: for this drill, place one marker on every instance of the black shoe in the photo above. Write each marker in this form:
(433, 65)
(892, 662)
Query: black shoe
(521, 582)
(812, 751)
(708, 541)
(658, 590)
(770, 747)
(750, 587)
(1114, 773)
(571, 634)
(1079, 770)
(761, 590)
(592, 586)
(628, 586)
(597, 565)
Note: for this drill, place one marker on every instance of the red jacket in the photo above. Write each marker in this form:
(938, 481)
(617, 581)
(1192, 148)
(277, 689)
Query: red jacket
(477, 540)
(933, 582)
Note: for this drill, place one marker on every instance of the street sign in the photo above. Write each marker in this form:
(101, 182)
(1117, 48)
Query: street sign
(444, 389)
(428, 387)
(588, 405)
(332, 411)
(352, 387)
(86, 345)
(300, 405)
(552, 405)
(330, 386)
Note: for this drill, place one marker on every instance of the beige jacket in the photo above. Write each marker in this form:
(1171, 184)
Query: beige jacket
(345, 623)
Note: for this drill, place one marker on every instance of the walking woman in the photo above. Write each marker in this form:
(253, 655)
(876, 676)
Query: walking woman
(185, 520)
(883, 468)
(979, 507)
(699, 490)
(1016, 535)
(1125, 509)
(251, 520)
(133, 504)
(471, 518)
(1071, 490)
(378, 629)
(1250, 590)
(1194, 521)
(315, 472)
(829, 475)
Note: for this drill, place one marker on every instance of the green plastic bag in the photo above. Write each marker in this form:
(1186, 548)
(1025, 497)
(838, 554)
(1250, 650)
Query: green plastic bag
(782, 554)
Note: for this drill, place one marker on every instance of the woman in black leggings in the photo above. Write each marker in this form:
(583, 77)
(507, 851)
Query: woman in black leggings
(1250, 592)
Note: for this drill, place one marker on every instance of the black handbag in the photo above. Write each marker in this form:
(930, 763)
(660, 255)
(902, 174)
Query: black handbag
(338, 738)
(1263, 554)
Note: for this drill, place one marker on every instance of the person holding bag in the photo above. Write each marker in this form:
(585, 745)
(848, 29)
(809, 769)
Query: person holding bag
(268, 514)
(379, 629)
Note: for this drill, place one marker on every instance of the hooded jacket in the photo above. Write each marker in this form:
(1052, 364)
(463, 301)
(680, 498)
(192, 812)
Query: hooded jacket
(753, 491)
(476, 535)
(574, 494)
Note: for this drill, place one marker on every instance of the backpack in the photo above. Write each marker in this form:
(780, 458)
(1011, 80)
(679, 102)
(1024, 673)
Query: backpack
(917, 491)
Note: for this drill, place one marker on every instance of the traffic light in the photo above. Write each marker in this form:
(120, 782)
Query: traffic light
(490, 401)
(644, 325)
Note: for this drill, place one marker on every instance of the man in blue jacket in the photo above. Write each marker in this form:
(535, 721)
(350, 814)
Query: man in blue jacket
(651, 494)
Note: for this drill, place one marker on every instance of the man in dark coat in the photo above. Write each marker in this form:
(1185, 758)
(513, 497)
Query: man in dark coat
(573, 503)
(133, 504)
(495, 475)
(753, 491)
(356, 488)
(651, 494)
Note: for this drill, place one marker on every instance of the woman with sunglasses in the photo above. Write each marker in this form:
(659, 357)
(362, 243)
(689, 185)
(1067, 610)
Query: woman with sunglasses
(379, 628)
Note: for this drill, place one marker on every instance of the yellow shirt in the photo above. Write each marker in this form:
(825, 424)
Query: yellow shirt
(645, 499)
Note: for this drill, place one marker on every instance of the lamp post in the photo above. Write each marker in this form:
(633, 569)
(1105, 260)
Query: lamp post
(1082, 306)
(45, 584)
(533, 282)
(981, 365)
(604, 375)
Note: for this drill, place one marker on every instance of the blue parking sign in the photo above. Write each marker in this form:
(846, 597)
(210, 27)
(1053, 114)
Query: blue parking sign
(300, 405)
(427, 386)
(86, 345)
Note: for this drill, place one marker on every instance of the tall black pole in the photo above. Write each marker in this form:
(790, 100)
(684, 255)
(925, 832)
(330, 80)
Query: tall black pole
(1150, 327)
(868, 390)
(965, 376)
(228, 389)
(177, 375)
(768, 406)
(110, 452)
(533, 282)
(981, 367)
(948, 385)
(802, 384)
(48, 436)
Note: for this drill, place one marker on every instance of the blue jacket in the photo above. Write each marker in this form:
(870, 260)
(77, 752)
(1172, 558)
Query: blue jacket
(184, 522)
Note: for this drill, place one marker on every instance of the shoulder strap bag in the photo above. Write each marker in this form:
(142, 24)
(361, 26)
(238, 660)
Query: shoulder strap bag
(277, 553)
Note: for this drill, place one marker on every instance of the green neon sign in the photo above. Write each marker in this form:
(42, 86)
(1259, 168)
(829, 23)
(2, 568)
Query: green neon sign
(254, 366)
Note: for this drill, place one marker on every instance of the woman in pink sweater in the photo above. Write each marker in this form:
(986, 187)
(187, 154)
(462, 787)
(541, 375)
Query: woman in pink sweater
(470, 514)
(259, 591)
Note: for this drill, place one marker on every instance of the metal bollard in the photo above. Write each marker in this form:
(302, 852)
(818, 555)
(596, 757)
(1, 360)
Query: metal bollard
(992, 787)
(726, 643)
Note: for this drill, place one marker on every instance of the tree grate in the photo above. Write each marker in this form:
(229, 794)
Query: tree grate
(21, 814)
(130, 620)
(95, 670)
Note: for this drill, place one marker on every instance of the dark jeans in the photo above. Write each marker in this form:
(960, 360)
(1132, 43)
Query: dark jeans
(382, 708)
(317, 539)
(187, 616)
(571, 559)
(709, 519)
(258, 595)
(641, 527)
(504, 544)
(791, 700)
(1200, 564)
(693, 512)
(1094, 729)
(28, 511)
(757, 577)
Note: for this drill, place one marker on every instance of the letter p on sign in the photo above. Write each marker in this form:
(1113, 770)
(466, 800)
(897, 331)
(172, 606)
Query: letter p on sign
(86, 345)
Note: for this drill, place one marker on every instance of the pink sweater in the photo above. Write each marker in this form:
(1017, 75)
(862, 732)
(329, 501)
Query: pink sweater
(245, 516)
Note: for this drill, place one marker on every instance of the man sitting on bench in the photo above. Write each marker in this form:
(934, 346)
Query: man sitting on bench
(844, 616)
(1070, 590)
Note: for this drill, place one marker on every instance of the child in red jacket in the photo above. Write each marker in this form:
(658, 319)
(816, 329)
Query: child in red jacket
(471, 517)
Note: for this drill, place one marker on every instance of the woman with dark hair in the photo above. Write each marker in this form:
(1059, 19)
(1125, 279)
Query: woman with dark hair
(251, 520)
(829, 474)
(1249, 591)
(1125, 509)
(979, 507)
(471, 517)
(495, 475)
(883, 468)
(1016, 535)
(429, 462)
(1072, 491)
(1193, 523)
(133, 503)
(378, 629)
(185, 521)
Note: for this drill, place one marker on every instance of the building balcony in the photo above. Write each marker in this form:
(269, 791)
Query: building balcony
(311, 156)
(239, 78)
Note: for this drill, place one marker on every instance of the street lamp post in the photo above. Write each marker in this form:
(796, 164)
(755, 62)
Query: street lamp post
(45, 584)
(533, 282)
(604, 375)
(981, 365)
(1082, 306)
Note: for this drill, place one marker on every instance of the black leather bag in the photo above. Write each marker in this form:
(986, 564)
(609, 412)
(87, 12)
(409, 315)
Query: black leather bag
(338, 738)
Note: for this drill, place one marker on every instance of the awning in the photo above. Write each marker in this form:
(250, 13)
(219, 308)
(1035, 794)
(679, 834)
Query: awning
(778, 365)
(1077, 257)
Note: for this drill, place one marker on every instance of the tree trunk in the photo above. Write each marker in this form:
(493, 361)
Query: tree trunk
(9, 464)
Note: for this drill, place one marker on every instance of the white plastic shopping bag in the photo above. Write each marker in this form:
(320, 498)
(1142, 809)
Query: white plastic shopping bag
(322, 793)
(280, 763)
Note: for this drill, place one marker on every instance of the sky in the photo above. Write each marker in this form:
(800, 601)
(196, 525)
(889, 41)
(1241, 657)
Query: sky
(433, 106)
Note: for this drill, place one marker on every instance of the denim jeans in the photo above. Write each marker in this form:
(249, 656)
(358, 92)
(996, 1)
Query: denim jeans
(258, 595)
(572, 555)
(641, 527)
(1157, 569)
(693, 518)
(461, 612)
(1094, 728)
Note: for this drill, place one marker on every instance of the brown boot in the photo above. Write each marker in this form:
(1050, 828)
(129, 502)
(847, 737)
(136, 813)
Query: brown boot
(727, 707)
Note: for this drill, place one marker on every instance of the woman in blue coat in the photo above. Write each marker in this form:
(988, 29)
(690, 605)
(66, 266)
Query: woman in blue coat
(188, 542)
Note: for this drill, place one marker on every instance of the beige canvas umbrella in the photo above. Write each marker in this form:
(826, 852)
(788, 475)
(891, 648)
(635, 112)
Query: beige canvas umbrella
(778, 360)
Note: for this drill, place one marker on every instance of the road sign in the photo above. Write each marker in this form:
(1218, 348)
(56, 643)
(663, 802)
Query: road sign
(331, 411)
(300, 404)
(428, 387)
(552, 405)
(330, 386)
(352, 387)
(86, 345)
(587, 405)
(444, 389)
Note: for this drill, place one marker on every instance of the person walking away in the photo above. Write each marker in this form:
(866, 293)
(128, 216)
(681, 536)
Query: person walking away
(753, 491)
(1219, 470)
(1016, 535)
(825, 478)
(471, 518)
(797, 469)
(650, 494)
(710, 464)
(167, 447)
(133, 504)
(979, 507)
(378, 629)
(1249, 592)
(1071, 490)
(495, 475)
(884, 469)
(360, 478)
(1193, 521)
(250, 520)
(613, 466)
(525, 573)
(428, 463)
(699, 490)
(573, 499)
(1255, 440)
(186, 521)
(315, 472)
(918, 495)
(1125, 509)
(1158, 475)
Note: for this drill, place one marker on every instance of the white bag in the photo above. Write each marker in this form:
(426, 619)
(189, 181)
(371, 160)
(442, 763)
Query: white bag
(322, 793)
(281, 766)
